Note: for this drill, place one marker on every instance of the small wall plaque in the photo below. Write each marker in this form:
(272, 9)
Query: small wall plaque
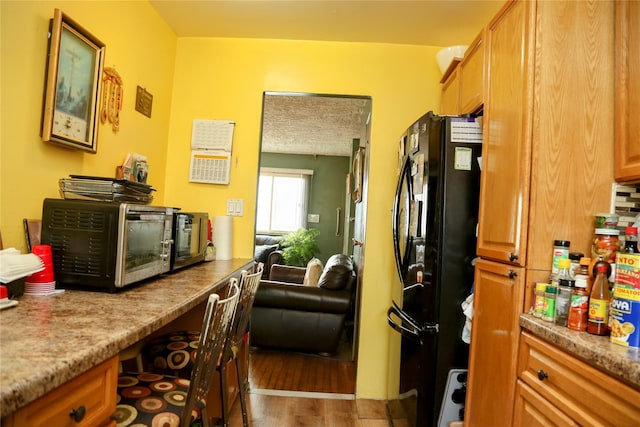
(144, 101)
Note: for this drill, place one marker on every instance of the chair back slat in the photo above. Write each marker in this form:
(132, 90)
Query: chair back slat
(213, 336)
(248, 288)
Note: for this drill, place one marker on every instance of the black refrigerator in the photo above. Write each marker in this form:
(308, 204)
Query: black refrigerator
(435, 215)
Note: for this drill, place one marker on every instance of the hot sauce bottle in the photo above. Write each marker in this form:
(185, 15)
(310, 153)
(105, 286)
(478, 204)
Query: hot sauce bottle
(599, 301)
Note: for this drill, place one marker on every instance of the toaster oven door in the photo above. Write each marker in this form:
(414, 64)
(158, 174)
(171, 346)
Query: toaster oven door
(144, 242)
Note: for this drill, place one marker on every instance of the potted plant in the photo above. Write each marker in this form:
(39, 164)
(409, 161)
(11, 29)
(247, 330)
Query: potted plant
(300, 246)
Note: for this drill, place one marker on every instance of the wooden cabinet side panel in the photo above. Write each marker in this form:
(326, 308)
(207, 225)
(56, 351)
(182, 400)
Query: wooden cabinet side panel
(627, 86)
(471, 76)
(572, 145)
(494, 344)
(449, 102)
(505, 153)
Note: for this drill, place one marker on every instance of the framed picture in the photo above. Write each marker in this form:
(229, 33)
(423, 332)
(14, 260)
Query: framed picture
(356, 171)
(72, 87)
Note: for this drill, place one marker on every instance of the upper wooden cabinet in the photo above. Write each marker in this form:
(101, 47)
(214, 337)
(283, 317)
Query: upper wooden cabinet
(627, 88)
(547, 148)
(450, 100)
(463, 88)
(471, 76)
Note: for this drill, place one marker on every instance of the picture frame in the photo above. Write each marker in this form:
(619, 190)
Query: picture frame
(72, 86)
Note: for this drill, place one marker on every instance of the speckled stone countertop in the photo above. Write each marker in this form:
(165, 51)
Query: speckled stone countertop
(618, 361)
(47, 340)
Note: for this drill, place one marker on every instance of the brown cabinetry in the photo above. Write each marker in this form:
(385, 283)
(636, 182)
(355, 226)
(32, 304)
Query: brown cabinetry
(498, 290)
(547, 165)
(627, 86)
(463, 88)
(471, 76)
(562, 390)
(450, 99)
(87, 400)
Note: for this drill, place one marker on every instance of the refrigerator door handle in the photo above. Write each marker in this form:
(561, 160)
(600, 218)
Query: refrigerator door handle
(412, 333)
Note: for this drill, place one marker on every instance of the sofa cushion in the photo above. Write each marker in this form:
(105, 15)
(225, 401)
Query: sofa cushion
(262, 252)
(313, 272)
(337, 273)
(265, 239)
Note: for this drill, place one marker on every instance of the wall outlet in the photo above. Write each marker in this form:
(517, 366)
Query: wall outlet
(314, 218)
(235, 207)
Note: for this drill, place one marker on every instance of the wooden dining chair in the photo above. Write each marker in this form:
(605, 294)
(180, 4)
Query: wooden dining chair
(151, 399)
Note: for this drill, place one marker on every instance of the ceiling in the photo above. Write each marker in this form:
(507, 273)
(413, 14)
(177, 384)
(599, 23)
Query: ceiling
(326, 125)
(421, 22)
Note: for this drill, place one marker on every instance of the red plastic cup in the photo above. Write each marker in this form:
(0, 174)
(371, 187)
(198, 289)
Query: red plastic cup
(46, 275)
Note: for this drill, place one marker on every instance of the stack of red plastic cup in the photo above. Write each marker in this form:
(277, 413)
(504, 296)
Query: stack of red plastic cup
(42, 282)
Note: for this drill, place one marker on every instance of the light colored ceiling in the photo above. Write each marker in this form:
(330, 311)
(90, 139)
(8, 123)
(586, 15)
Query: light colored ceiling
(312, 125)
(319, 125)
(422, 22)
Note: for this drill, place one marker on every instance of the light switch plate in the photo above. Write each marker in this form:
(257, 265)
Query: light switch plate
(313, 218)
(235, 207)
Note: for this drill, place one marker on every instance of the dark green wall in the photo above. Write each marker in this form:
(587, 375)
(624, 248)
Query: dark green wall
(326, 195)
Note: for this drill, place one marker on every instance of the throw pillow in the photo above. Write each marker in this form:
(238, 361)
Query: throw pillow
(261, 253)
(312, 274)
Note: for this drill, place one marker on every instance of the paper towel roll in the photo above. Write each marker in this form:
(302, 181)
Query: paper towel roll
(223, 236)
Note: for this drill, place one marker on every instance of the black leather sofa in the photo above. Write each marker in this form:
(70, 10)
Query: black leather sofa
(289, 315)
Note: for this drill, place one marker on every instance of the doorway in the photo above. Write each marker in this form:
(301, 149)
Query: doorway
(327, 136)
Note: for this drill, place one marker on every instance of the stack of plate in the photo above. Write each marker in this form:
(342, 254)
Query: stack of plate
(105, 189)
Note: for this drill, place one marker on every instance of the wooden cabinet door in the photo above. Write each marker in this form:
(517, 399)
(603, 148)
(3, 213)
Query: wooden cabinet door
(449, 102)
(627, 88)
(504, 192)
(471, 76)
(495, 329)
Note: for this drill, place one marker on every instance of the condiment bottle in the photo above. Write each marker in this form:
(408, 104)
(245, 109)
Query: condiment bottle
(599, 301)
(550, 300)
(563, 299)
(631, 240)
(560, 250)
(582, 273)
(539, 302)
(575, 262)
(579, 306)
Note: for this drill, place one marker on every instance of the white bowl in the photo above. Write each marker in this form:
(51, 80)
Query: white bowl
(446, 55)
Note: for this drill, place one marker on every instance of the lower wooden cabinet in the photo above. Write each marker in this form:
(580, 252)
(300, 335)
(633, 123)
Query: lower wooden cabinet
(556, 389)
(89, 398)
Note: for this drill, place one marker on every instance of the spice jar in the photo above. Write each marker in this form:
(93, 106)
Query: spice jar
(579, 306)
(550, 300)
(539, 302)
(606, 244)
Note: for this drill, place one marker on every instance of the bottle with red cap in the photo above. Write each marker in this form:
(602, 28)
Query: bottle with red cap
(598, 318)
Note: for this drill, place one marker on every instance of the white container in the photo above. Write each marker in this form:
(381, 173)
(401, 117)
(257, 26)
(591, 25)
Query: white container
(446, 55)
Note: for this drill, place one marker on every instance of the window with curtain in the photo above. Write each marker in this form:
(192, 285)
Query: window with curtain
(282, 200)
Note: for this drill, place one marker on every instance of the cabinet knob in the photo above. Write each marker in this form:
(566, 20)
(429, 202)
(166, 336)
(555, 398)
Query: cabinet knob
(512, 274)
(77, 415)
(542, 375)
(513, 257)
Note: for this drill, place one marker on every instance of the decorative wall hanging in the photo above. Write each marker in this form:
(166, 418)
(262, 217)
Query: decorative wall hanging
(70, 113)
(112, 98)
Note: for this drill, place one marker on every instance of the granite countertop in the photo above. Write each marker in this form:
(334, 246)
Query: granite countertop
(46, 341)
(616, 360)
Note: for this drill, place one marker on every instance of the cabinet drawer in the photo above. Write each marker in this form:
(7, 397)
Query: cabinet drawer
(95, 391)
(532, 410)
(584, 393)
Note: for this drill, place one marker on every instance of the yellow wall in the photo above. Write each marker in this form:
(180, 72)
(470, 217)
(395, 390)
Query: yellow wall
(140, 46)
(211, 79)
(225, 79)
